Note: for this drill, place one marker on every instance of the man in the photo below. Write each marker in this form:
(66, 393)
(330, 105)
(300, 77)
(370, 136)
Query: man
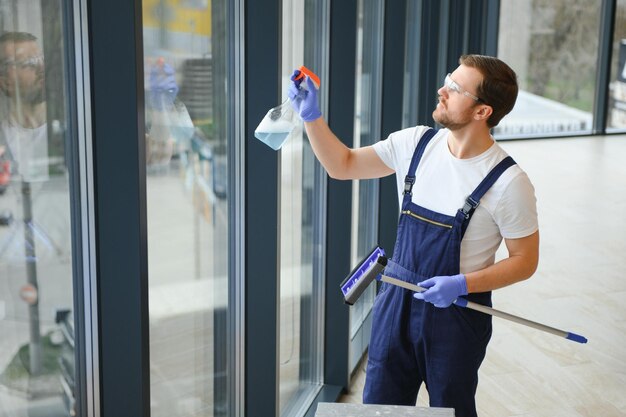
(23, 131)
(445, 179)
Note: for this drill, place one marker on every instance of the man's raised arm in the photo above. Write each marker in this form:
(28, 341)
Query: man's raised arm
(339, 161)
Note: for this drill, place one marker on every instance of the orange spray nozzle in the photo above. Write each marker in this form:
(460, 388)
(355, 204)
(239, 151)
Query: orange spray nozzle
(305, 71)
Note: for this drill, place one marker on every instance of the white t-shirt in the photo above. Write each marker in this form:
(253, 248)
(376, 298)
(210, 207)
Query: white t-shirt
(443, 182)
(28, 148)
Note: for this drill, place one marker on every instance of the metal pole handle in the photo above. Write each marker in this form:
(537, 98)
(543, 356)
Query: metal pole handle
(462, 302)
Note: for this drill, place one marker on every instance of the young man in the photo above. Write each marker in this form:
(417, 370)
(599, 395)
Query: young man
(445, 179)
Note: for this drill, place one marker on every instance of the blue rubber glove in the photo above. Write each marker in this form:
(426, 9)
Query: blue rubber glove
(304, 101)
(442, 291)
(163, 87)
(297, 82)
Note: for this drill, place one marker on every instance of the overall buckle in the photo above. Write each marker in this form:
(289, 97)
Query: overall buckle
(469, 206)
(408, 184)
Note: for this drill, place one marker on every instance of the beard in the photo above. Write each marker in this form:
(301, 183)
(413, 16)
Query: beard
(34, 96)
(440, 116)
(29, 95)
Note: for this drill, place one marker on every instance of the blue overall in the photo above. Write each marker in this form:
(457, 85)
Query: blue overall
(413, 341)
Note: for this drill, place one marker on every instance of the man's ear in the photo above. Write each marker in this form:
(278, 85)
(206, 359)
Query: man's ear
(483, 113)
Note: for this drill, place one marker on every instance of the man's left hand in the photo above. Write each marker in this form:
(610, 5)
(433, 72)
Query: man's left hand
(163, 87)
(304, 100)
(442, 291)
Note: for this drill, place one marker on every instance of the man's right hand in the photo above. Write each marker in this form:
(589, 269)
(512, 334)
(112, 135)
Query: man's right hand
(304, 101)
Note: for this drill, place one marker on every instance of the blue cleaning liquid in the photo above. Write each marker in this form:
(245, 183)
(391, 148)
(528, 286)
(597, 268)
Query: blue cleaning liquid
(274, 140)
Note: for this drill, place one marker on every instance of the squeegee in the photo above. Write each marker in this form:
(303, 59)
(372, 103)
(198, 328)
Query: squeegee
(371, 268)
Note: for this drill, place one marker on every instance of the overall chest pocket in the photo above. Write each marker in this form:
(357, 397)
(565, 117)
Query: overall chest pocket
(426, 244)
(426, 219)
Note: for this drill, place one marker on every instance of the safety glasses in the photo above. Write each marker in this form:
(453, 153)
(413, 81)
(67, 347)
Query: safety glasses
(451, 85)
(32, 62)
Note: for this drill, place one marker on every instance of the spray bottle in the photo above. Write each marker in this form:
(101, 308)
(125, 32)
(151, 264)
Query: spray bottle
(280, 122)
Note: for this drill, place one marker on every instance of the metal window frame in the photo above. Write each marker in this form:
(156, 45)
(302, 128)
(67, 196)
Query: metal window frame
(391, 113)
(319, 59)
(236, 337)
(119, 172)
(603, 73)
(261, 212)
(342, 55)
(87, 394)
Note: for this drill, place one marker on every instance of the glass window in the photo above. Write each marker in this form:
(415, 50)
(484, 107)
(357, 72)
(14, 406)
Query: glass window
(37, 368)
(553, 47)
(301, 219)
(188, 140)
(617, 87)
(366, 131)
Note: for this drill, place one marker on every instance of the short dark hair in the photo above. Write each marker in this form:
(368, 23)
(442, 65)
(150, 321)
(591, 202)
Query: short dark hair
(498, 88)
(17, 37)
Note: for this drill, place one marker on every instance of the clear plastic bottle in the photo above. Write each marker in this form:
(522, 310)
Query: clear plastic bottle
(281, 122)
(277, 126)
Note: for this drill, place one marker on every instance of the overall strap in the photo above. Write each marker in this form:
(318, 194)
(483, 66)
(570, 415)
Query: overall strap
(473, 200)
(409, 180)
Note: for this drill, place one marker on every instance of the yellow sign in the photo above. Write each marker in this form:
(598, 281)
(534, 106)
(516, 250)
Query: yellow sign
(185, 16)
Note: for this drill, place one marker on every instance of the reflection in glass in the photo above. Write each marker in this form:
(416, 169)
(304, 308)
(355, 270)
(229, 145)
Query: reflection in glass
(552, 45)
(187, 140)
(37, 370)
(617, 85)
